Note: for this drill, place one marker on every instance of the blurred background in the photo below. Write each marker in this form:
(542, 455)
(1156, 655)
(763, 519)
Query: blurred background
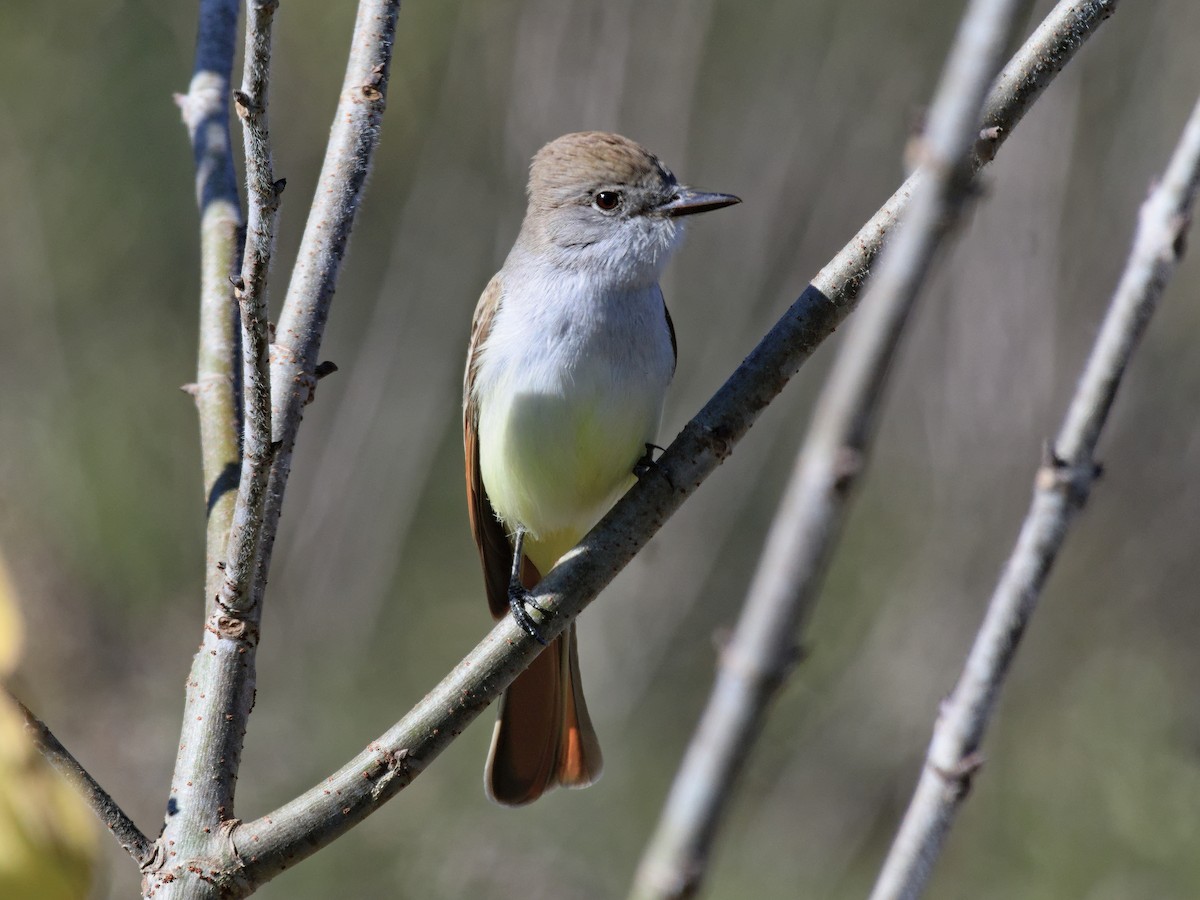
(1092, 784)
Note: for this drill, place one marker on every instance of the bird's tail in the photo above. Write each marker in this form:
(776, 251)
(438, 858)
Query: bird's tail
(544, 736)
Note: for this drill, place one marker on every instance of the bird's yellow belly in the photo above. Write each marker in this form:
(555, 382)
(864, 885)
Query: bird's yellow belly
(554, 465)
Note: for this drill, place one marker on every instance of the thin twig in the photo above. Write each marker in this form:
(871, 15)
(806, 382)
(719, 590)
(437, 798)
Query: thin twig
(263, 193)
(114, 818)
(352, 142)
(316, 818)
(1060, 490)
(805, 529)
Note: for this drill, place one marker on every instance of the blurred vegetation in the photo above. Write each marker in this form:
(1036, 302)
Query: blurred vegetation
(47, 833)
(1091, 788)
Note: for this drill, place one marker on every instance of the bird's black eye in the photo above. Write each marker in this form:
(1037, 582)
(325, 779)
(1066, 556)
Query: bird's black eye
(607, 201)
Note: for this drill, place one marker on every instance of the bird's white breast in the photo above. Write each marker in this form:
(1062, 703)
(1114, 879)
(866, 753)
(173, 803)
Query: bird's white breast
(569, 389)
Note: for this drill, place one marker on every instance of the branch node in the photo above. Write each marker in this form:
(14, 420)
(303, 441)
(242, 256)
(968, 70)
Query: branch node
(226, 830)
(373, 88)
(230, 626)
(959, 775)
(154, 860)
(244, 105)
(325, 368)
(395, 764)
(1074, 480)
(719, 440)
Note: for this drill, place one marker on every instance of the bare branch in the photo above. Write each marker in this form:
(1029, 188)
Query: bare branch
(1060, 490)
(220, 690)
(127, 834)
(251, 291)
(221, 684)
(352, 142)
(205, 110)
(210, 741)
(285, 836)
(805, 529)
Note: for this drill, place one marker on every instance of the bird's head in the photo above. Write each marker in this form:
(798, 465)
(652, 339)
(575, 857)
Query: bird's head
(603, 203)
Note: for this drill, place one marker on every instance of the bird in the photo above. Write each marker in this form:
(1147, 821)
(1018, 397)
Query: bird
(571, 352)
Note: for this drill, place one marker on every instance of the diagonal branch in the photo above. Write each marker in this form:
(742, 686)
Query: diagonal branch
(804, 533)
(283, 837)
(1060, 490)
(114, 818)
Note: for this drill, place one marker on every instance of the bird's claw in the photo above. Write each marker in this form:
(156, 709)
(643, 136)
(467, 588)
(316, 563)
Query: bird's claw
(647, 463)
(518, 599)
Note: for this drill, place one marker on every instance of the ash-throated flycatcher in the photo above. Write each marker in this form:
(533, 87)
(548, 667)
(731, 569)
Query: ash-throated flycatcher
(571, 352)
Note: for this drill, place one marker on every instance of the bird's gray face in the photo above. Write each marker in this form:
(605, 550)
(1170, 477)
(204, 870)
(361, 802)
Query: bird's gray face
(616, 229)
(627, 230)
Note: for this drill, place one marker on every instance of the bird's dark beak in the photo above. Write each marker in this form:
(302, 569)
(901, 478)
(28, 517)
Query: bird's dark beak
(687, 202)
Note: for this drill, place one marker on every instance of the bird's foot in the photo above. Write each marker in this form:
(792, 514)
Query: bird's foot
(647, 463)
(519, 601)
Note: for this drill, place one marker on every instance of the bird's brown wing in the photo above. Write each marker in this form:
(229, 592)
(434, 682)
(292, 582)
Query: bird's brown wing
(543, 734)
(494, 550)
